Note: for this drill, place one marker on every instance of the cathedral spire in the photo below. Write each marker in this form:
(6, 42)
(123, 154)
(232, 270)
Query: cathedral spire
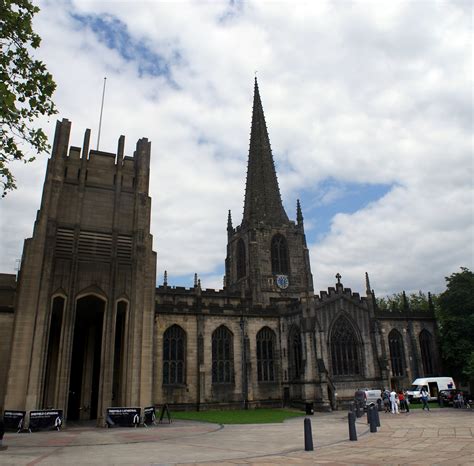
(299, 214)
(262, 193)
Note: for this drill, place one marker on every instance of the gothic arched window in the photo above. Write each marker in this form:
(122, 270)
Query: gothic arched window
(241, 260)
(266, 355)
(295, 353)
(174, 356)
(344, 349)
(279, 250)
(397, 355)
(426, 346)
(222, 355)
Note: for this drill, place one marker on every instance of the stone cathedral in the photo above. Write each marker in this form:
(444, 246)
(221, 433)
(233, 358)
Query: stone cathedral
(84, 326)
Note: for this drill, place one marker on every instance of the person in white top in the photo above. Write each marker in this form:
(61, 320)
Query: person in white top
(393, 402)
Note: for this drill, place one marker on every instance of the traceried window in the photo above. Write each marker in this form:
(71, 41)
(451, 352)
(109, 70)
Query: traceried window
(241, 266)
(266, 355)
(295, 359)
(222, 355)
(174, 355)
(279, 250)
(426, 346)
(344, 349)
(397, 355)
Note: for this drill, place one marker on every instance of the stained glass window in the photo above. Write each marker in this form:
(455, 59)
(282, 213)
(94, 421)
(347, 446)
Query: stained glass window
(397, 355)
(222, 355)
(279, 250)
(344, 349)
(265, 355)
(174, 351)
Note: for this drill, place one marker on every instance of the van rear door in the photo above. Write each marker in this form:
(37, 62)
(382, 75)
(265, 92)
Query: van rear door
(433, 388)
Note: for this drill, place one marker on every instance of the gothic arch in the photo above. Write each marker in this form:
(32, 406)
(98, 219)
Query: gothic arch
(222, 355)
(345, 348)
(279, 255)
(426, 348)
(397, 353)
(174, 356)
(266, 343)
(295, 354)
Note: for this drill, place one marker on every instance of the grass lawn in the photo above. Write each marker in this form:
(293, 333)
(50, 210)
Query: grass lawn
(239, 416)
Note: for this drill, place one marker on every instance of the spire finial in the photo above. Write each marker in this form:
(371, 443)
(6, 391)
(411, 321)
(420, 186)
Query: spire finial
(405, 301)
(165, 278)
(368, 289)
(195, 280)
(299, 214)
(229, 222)
(338, 277)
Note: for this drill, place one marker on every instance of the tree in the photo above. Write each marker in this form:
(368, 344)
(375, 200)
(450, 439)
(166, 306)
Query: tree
(455, 313)
(395, 302)
(26, 88)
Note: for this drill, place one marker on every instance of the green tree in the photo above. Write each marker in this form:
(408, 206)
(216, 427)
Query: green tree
(26, 88)
(418, 301)
(455, 313)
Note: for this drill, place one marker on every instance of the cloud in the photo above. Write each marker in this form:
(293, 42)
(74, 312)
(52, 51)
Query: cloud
(356, 95)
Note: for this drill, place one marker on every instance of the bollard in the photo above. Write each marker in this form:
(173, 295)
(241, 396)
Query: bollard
(308, 435)
(369, 413)
(377, 417)
(352, 426)
(373, 423)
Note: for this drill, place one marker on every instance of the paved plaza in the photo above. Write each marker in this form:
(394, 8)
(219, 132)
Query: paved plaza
(442, 436)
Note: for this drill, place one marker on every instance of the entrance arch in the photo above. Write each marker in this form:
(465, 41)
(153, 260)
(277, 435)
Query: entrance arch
(85, 374)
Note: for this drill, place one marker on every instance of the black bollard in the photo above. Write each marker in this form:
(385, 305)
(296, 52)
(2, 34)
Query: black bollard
(308, 435)
(369, 413)
(373, 422)
(352, 426)
(377, 417)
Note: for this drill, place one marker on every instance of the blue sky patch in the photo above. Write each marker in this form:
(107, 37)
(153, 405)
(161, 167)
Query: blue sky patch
(115, 35)
(332, 197)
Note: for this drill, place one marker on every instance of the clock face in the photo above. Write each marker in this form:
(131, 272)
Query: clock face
(282, 281)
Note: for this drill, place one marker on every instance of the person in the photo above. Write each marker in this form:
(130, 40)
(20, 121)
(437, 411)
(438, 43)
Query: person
(401, 398)
(386, 400)
(393, 402)
(407, 401)
(424, 398)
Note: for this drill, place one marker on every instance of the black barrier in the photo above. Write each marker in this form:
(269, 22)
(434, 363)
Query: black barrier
(123, 417)
(149, 416)
(165, 409)
(352, 426)
(369, 413)
(373, 423)
(377, 417)
(46, 419)
(308, 435)
(14, 420)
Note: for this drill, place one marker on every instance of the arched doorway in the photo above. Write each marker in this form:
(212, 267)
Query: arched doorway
(85, 372)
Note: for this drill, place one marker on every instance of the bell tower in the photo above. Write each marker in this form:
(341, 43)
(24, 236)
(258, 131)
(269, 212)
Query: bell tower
(267, 255)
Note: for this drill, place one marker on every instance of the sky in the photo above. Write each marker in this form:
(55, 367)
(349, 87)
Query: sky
(368, 105)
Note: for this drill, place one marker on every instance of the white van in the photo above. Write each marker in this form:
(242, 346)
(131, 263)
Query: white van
(433, 385)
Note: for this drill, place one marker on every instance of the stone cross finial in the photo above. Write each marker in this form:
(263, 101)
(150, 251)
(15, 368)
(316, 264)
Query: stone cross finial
(338, 276)
(165, 278)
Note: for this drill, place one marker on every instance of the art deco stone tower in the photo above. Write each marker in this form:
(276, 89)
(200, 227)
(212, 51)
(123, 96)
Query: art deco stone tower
(82, 338)
(267, 255)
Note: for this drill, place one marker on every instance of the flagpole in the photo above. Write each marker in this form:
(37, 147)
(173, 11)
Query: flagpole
(101, 110)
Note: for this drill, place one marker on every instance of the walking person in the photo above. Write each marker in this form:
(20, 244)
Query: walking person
(393, 402)
(401, 398)
(424, 398)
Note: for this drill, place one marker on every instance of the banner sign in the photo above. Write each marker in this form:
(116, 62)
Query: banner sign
(123, 417)
(46, 419)
(14, 420)
(149, 415)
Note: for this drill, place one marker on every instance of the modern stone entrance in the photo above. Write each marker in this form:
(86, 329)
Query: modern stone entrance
(86, 375)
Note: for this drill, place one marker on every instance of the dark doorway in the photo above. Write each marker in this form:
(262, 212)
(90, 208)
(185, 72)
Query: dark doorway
(52, 357)
(86, 356)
